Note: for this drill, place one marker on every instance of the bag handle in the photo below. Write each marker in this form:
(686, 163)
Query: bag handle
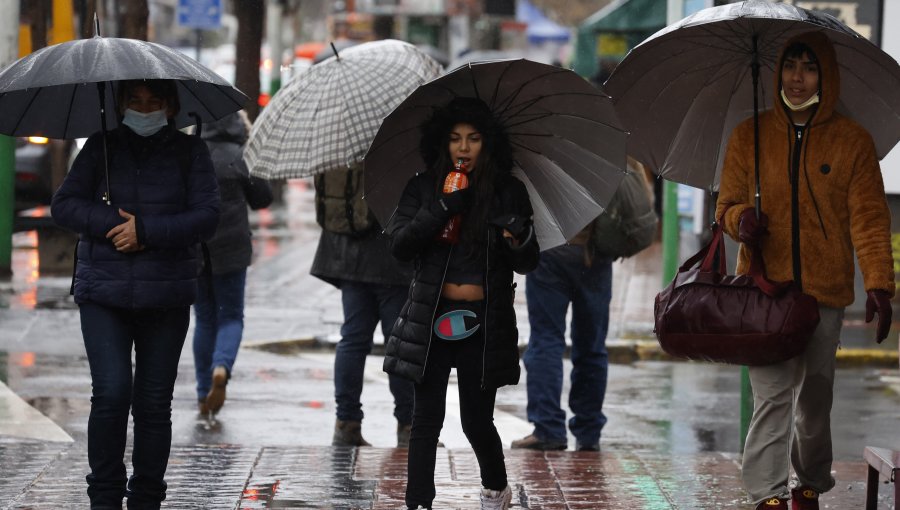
(716, 246)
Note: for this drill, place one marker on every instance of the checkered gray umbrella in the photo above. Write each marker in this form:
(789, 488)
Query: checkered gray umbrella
(327, 116)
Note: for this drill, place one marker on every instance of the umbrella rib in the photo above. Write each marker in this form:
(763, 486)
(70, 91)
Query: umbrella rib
(69, 113)
(30, 102)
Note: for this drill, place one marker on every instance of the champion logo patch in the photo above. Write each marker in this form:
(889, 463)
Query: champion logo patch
(452, 325)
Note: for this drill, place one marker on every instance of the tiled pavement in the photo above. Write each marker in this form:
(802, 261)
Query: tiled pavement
(227, 477)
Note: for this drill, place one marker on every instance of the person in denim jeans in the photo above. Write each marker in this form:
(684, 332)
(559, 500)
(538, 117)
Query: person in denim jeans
(219, 309)
(373, 288)
(566, 274)
(140, 226)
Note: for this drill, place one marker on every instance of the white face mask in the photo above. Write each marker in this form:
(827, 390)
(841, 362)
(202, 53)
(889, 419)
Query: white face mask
(145, 124)
(799, 107)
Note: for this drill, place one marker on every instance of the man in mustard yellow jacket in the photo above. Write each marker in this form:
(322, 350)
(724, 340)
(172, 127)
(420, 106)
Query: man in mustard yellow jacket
(823, 198)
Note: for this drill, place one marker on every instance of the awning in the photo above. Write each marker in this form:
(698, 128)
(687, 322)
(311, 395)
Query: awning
(540, 28)
(637, 19)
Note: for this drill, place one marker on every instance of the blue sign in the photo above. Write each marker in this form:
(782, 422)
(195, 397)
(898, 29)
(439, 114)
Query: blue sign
(203, 14)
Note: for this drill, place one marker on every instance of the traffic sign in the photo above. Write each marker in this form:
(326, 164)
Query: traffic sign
(202, 14)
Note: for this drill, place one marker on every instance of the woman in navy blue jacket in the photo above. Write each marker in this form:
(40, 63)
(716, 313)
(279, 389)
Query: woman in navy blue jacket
(138, 258)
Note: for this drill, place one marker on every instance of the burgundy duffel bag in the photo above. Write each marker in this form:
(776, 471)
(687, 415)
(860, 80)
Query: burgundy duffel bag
(705, 314)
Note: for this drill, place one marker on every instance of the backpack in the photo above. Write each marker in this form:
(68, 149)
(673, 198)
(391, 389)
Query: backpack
(629, 223)
(340, 207)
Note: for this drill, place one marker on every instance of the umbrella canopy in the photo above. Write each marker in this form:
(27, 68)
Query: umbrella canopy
(53, 92)
(327, 116)
(682, 91)
(568, 145)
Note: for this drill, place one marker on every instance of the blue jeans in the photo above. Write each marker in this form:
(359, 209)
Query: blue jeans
(157, 336)
(365, 304)
(219, 314)
(560, 278)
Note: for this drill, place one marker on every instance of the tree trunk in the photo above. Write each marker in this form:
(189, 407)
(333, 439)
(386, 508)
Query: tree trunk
(132, 19)
(86, 10)
(250, 15)
(37, 13)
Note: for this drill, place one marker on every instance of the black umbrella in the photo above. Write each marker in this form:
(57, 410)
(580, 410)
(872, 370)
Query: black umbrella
(682, 91)
(568, 144)
(56, 91)
(66, 90)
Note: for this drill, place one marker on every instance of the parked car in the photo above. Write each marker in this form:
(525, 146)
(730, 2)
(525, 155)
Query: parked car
(34, 172)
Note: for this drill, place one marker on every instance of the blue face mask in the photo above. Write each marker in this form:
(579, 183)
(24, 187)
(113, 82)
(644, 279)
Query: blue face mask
(145, 124)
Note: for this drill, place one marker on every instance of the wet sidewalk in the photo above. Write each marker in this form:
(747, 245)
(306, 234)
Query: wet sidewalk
(226, 477)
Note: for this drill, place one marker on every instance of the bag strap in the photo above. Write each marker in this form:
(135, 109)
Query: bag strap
(714, 251)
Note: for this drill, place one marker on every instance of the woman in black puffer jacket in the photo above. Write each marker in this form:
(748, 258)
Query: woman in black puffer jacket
(460, 307)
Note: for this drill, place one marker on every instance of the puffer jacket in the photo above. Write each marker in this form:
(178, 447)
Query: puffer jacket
(174, 209)
(841, 201)
(230, 249)
(412, 231)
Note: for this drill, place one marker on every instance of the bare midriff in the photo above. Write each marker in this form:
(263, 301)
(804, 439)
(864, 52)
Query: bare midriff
(463, 292)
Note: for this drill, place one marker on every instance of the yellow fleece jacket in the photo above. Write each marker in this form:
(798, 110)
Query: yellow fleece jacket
(841, 193)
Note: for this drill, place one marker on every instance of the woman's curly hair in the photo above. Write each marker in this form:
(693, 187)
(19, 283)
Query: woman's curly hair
(494, 161)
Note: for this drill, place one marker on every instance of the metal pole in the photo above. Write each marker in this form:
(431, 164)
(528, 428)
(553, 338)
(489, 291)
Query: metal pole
(9, 49)
(274, 16)
(670, 231)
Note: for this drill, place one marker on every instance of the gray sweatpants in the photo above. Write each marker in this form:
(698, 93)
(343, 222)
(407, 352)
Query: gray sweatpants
(792, 417)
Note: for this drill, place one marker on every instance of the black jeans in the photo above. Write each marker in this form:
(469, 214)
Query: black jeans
(476, 409)
(157, 336)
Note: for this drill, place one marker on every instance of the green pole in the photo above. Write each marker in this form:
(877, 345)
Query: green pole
(7, 197)
(670, 234)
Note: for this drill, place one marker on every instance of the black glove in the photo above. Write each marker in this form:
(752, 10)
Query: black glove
(750, 229)
(879, 301)
(514, 224)
(451, 204)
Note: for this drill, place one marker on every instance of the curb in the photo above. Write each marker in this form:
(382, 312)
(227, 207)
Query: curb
(620, 351)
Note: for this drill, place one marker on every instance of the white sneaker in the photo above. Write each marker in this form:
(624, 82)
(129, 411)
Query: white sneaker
(496, 500)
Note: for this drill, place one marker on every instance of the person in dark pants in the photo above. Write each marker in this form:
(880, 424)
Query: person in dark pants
(219, 309)
(459, 312)
(354, 255)
(137, 261)
(566, 274)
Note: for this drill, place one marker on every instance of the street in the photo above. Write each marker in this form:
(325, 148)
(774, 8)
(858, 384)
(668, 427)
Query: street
(672, 440)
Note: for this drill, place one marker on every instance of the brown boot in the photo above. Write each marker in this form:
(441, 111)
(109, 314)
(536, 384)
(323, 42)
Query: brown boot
(348, 433)
(215, 399)
(403, 435)
(202, 408)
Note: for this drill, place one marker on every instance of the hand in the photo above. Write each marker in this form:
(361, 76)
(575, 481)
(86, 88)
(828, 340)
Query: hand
(451, 204)
(752, 229)
(879, 301)
(124, 235)
(514, 224)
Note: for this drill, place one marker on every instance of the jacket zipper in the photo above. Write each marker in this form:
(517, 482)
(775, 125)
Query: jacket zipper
(434, 311)
(484, 308)
(795, 206)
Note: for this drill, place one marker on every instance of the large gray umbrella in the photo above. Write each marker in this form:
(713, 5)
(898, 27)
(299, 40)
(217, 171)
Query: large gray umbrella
(55, 91)
(327, 116)
(568, 144)
(682, 91)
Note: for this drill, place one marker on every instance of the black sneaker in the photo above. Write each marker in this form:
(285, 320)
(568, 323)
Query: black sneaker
(532, 442)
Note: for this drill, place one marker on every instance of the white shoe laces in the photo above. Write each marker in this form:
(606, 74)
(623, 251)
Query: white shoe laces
(495, 500)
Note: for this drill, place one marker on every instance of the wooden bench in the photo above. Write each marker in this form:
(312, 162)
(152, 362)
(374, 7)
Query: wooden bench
(882, 462)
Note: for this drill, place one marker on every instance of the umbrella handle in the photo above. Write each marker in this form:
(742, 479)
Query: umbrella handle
(199, 125)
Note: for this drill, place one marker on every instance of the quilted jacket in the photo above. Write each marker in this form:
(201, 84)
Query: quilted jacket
(168, 182)
(412, 230)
